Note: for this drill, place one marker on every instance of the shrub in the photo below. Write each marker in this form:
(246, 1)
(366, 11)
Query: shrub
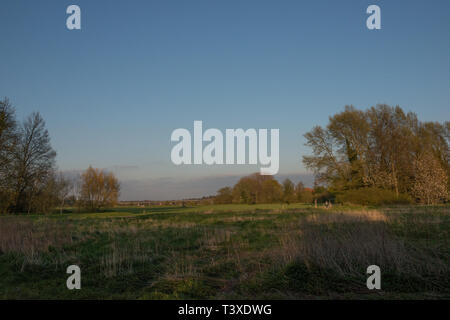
(372, 196)
(305, 197)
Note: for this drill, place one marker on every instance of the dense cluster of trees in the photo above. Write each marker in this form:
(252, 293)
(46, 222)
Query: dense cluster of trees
(381, 151)
(381, 155)
(257, 188)
(29, 181)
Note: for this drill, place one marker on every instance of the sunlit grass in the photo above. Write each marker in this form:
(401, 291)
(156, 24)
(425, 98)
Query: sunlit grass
(227, 251)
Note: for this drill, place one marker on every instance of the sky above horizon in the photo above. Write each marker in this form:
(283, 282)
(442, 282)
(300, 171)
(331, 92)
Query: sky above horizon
(113, 92)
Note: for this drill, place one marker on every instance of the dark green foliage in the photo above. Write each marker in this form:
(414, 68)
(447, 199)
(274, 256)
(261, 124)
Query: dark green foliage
(372, 196)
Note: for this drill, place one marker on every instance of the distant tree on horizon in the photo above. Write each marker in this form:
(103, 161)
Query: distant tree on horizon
(303, 195)
(288, 191)
(99, 189)
(257, 188)
(224, 196)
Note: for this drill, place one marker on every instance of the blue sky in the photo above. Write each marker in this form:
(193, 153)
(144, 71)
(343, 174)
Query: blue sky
(113, 92)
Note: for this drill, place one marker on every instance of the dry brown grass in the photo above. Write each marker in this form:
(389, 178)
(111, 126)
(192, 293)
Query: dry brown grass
(121, 258)
(31, 239)
(213, 238)
(362, 215)
(231, 251)
(28, 237)
(348, 241)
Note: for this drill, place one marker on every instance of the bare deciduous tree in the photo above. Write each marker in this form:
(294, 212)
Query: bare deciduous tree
(64, 187)
(8, 141)
(34, 161)
(99, 189)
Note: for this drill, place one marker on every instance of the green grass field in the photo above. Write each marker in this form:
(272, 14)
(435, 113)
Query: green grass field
(274, 251)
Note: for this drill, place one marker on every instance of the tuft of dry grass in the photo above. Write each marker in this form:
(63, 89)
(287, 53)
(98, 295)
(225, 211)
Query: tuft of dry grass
(347, 216)
(348, 242)
(33, 238)
(30, 237)
(121, 258)
(213, 238)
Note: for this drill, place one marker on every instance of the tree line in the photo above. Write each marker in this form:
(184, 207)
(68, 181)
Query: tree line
(257, 188)
(29, 179)
(381, 155)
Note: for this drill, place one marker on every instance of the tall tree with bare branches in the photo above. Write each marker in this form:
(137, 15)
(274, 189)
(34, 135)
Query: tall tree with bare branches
(8, 142)
(34, 162)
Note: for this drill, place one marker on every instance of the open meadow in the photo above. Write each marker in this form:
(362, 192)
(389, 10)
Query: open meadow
(273, 251)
